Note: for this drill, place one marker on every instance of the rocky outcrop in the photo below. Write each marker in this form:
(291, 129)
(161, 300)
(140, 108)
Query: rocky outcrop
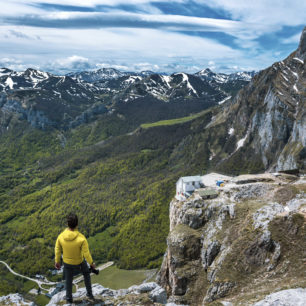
(144, 294)
(14, 299)
(230, 245)
(38, 117)
(35, 117)
(264, 126)
(291, 297)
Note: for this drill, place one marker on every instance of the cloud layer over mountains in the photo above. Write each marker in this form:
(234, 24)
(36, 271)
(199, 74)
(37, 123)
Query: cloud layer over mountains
(160, 35)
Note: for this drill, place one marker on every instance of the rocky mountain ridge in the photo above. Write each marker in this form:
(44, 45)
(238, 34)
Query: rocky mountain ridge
(230, 247)
(209, 75)
(47, 100)
(104, 74)
(266, 121)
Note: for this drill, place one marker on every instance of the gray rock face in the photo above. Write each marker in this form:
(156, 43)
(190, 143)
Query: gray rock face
(208, 255)
(193, 217)
(207, 260)
(263, 123)
(302, 46)
(290, 297)
(265, 214)
(156, 293)
(35, 117)
(218, 290)
(267, 119)
(87, 115)
(14, 299)
(188, 249)
(189, 213)
(146, 287)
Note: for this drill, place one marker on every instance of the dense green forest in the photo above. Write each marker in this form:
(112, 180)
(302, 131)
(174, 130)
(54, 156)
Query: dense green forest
(120, 188)
(120, 185)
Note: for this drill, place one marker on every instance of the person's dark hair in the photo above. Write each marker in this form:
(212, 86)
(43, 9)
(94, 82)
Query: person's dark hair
(72, 220)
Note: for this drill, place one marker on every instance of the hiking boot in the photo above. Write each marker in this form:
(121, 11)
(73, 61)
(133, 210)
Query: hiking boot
(90, 298)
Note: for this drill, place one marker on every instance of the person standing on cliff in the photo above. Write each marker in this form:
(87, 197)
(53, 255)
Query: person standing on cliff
(74, 247)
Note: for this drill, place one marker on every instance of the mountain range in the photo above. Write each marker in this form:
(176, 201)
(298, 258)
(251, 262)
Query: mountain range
(111, 146)
(44, 99)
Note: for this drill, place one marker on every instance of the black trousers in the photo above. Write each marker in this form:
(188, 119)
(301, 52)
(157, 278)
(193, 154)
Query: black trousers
(70, 271)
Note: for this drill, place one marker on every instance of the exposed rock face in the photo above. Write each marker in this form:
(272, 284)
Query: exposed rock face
(14, 299)
(266, 122)
(229, 245)
(35, 117)
(144, 294)
(291, 297)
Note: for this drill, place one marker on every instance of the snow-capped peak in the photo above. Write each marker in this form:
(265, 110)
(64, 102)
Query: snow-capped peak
(242, 75)
(209, 75)
(5, 71)
(205, 71)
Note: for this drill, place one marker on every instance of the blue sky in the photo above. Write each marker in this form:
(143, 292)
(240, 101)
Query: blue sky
(164, 36)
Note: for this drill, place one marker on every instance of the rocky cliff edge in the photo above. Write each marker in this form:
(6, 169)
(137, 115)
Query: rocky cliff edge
(239, 247)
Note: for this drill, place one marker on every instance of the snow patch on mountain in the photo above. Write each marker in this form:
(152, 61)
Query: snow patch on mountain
(167, 79)
(222, 78)
(295, 88)
(240, 142)
(298, 60)
(231, 131)
(224, 100)
(9, 82)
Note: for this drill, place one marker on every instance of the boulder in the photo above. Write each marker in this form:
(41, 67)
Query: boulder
(146, 287)
(158, 295)
(290, 297)
(218, 290)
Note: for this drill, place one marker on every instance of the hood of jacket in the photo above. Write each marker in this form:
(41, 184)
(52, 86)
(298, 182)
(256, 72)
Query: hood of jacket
(69, 235)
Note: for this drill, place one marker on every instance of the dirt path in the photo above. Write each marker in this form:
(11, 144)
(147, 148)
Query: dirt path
(38, 282)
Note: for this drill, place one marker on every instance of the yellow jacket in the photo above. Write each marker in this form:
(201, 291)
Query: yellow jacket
(74, 247)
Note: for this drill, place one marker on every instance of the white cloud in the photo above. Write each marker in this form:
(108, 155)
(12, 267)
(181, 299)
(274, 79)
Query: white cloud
(126, 49)
(64, 19)
(14, 64)
(72, 63)
(211, 65)
(92, 3)
(152, 44)
(273, 13)
(131, 48)
(23, 7)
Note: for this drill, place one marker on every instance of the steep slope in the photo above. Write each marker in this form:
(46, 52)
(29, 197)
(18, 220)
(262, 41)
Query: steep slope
(266, 121)
(245, 244)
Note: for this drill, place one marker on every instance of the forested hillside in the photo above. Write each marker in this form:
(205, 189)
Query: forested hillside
(120, 188)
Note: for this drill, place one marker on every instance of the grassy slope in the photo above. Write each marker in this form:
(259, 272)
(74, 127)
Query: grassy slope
(174, 121)
(115, 278)
(120, 189)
